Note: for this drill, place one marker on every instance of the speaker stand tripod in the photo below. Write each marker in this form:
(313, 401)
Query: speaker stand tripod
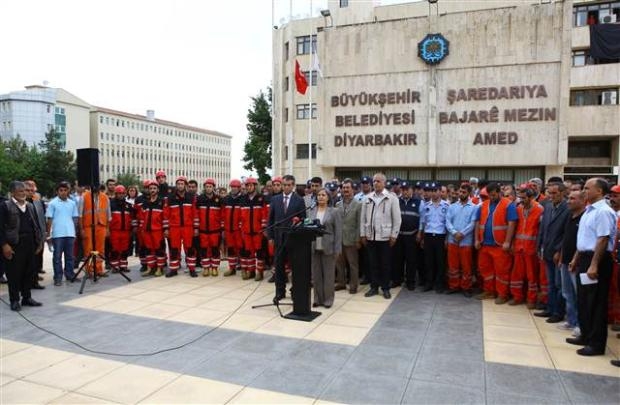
(89, 267)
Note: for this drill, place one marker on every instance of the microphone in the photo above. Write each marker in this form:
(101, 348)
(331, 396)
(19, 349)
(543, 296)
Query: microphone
(295, 222)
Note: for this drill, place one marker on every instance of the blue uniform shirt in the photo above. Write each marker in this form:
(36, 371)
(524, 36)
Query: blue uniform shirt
(461, 219)
(511, 214)
(433, 217)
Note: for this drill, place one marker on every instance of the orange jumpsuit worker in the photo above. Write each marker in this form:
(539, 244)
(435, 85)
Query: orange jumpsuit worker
(253, 222)
(209, 212)
(524, 248)
(102, 217)
(180, 216)
(122, 225)
(496, 221)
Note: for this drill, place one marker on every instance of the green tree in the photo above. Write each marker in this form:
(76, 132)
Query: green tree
(18, 161)
(128, 179)
(257, 149)
(54, 165)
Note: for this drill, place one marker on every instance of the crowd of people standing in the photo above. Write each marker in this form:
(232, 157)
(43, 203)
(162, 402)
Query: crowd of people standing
(551, 247)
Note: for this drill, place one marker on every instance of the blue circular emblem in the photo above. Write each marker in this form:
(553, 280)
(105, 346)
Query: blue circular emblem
(433, 49)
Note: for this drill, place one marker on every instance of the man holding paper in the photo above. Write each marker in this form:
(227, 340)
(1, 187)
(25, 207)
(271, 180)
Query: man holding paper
(595, 238)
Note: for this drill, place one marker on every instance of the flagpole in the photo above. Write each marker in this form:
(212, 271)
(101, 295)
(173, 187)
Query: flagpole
(310, 96)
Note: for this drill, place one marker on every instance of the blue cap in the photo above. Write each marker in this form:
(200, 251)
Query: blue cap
(405, 184)
(331, 186)
(366, 179)
(429, 186)
(418, 184)
(396, 180)
(308, 183)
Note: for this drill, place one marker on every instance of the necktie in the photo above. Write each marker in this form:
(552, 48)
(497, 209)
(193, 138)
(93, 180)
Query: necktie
(285, 203)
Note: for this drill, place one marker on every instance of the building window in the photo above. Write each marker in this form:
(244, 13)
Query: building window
(601, 13)
(302, 151)
(286, 50)
(303, 44)
(314, 77)
(589, 149)
(594, 97)
(344, 3)
(583, 58)
(286, 83)
(303, 111)
(286, 114)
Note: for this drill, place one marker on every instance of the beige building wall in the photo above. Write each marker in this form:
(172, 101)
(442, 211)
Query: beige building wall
(508, 60)
(77, 112)
(130, 143)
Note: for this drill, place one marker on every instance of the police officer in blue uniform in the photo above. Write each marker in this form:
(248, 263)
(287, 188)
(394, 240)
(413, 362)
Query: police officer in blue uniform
(433, 235)
(406, 249)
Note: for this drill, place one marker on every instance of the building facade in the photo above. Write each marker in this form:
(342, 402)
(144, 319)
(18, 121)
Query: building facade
(142, 144)
(515, 96)
(127, 143)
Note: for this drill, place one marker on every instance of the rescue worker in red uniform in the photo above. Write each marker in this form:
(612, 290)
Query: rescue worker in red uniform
(253, 222)
(209, 211)
(122, 225)
(180, 214)
(136, 205)
(232, 226)
(161, 179)
(524, 249)
(151, 227)
(495, 225)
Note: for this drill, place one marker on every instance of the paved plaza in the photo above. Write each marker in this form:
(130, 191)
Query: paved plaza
(416, 348)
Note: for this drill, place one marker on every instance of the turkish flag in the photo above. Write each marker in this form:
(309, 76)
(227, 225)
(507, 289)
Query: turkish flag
(300, 80)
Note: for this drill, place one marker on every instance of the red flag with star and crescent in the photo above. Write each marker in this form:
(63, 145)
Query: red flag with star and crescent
(300, 80)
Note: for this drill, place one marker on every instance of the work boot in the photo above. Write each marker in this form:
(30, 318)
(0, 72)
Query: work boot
(272, 279)
(259, 276)
(251, 275)
(514, 302)
(245, 275)
(230, 272)
(501, 300)
(530, 305)
(485, 296)
(171, 273)
(205, 272)
(215, 272)
(159, 272)
(145, 271)
(192, 274)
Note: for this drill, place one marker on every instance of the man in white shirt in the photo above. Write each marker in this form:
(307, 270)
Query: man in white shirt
(595, 239)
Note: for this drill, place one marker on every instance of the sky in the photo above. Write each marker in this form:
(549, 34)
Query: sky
(197, 62)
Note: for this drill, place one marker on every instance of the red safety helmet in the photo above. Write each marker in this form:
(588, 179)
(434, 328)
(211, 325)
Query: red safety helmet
(235, 183)
(119, 189)
(484, 192)
(160, 173)
(616, 188)
(210, 181)
(181, 178)
(152, 183)
(276, 179)
(146, 183)
(251, 180)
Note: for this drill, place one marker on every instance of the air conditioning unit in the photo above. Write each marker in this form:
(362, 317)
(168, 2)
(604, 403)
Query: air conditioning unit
(609, 97)
(607, 17)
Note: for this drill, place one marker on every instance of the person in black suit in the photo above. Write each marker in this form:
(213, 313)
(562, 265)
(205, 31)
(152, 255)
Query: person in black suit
(283, 208)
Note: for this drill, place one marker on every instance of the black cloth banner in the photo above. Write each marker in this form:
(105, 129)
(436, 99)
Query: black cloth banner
(605, 41)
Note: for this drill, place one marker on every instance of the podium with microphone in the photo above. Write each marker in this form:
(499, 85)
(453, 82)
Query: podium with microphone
(299, 244)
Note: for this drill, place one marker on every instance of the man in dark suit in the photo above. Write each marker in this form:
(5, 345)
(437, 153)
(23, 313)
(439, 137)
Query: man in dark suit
(549, 245)
(283, 208)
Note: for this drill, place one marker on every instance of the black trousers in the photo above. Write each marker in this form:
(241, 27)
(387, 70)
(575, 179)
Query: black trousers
(38, 266)
(280, 257)
(20, 268)
(592, 301)
(435, 260)
(380, 255)
(364, 263)
(405, 260)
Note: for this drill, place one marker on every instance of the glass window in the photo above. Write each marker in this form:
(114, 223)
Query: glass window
(314, 77)
(594, 97)
(302, 151)
(286, 50)
(344, 3)
(303, 111)
(303, 44)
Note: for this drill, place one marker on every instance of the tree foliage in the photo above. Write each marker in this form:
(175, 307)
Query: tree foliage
(128, 179)
(46, 164)
(257, 149)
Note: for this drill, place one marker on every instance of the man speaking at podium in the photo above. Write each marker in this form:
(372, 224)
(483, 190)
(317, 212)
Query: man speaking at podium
(283, 208)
